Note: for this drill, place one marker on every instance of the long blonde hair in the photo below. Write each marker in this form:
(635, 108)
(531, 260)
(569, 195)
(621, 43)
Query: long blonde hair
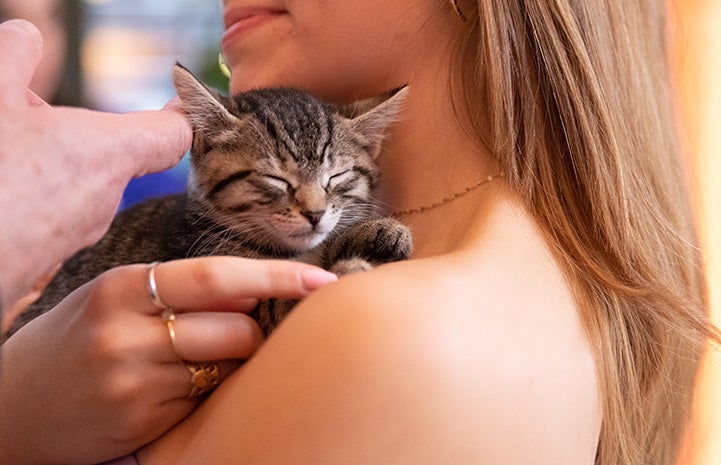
(578, 108)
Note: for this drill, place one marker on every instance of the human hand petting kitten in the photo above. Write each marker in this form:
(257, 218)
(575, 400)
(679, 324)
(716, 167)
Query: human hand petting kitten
(63, 170)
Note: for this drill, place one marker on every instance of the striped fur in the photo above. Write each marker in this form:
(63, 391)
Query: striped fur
(275, 173)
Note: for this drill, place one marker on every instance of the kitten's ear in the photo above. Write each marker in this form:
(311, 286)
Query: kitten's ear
(370, 118)
(206, 107)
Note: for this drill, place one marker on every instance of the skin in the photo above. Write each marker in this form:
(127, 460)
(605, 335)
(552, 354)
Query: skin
(489, 363)
(104, 377)
(97, 376)
(94, 155)
(467, 372)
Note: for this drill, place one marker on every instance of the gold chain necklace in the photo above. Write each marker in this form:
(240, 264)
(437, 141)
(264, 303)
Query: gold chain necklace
(446, 200)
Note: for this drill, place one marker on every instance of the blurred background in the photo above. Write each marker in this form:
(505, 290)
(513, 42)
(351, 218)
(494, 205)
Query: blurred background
(117, 55)
(698, 65)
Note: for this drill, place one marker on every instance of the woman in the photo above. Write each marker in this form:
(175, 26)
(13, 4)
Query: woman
(561, 315)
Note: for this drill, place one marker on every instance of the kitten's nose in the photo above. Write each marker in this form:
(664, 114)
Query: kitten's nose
(313, 217)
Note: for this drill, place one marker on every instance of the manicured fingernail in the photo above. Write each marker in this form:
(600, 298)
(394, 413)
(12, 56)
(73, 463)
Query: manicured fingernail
(313, 278)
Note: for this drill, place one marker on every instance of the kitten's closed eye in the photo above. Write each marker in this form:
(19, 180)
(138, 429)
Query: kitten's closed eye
(278, 182)
(338, 179)
(275, 173)
(313, 169)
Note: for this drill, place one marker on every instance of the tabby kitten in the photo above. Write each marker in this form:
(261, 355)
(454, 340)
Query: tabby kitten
(275, 173)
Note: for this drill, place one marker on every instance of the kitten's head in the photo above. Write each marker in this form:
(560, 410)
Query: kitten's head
(279, 166)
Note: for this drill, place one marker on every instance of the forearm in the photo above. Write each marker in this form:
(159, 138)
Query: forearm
(21, 441)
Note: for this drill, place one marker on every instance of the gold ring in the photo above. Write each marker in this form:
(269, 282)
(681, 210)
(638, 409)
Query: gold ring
(204, 377)
(169, 319)
(153, 288)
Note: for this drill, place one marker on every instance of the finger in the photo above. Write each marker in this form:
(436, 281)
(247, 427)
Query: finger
(136, 143)
(157, 139)
(209, 283)
(211, 336)
(174, 104)
(175, 378)
(20, 52)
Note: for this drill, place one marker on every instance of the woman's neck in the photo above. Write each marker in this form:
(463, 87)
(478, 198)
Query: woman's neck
(428, 158)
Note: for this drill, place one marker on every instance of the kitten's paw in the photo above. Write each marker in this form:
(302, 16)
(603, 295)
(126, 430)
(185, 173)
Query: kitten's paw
(391, 240)
(349, 266)
(269, 313)
(381, 240)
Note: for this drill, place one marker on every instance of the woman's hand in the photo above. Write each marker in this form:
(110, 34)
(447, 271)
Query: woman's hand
(63, 170)
(98, 376)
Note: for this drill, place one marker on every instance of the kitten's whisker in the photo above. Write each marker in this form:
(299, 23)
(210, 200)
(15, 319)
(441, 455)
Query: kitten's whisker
(283, 135)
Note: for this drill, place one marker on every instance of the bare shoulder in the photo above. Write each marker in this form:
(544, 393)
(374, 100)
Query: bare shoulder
(474, 357)
(485, 343)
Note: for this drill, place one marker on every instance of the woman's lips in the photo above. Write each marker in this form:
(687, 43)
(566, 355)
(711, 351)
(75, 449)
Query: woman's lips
(241, 20)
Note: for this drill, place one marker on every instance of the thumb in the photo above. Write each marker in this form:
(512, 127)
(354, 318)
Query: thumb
(155, 139)
(21, 47)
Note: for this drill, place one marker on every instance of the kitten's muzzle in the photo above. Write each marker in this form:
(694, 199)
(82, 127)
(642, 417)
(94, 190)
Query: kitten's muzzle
(313, 217)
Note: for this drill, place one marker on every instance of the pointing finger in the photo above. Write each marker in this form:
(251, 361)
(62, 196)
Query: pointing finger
(227, 283)
(20, 51)
(157, 139)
